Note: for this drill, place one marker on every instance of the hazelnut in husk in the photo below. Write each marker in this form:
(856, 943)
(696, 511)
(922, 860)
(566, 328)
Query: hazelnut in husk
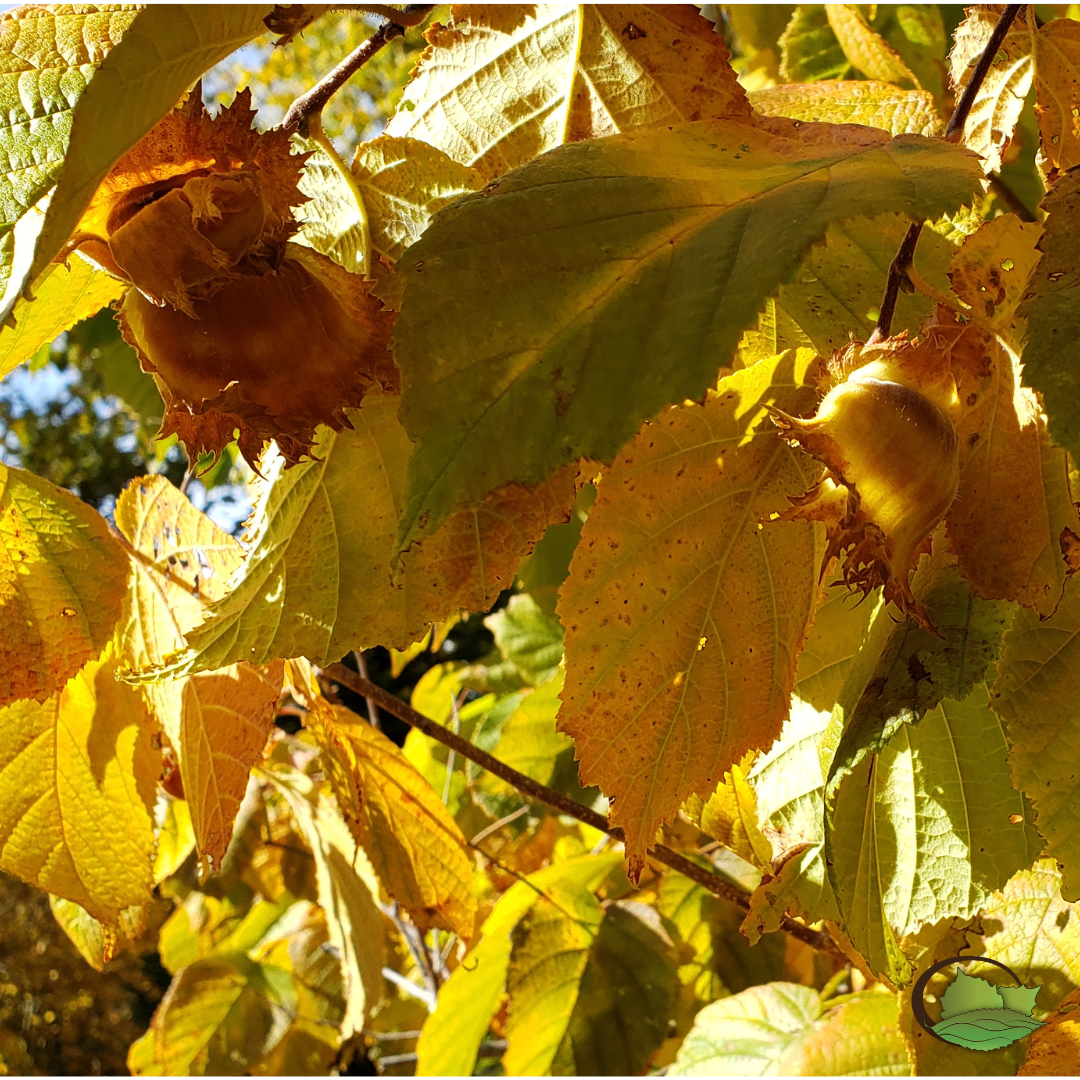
(244, 331)
(886, 437)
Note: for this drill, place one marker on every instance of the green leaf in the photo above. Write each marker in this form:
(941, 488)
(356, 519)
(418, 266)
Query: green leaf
(220, 1015)
(573, 351)
(317, 581)
(63, 296)
(860, 1037)
(745, 1035)
(721, 961)
(922, 831)
(469, 998)
(529, 639)
(756, 30)
(1019, 999)
(164, 50)
(550, 950)
(627, 994)
(840, 628)
(1052, 310)
(915, 670)
(782, 1029)
(837, 291)
(528, 742)
(1037, 694)
(544, 571)
(809, 50)
(121, 375)
(789, 782)
(51, 55)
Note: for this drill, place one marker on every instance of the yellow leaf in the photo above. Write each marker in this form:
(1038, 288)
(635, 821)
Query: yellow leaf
(1006, 459)
(990, 125)
(990, 272)
(175, 839)
(549, 953)
(876, 104)
(218, 722)
(864, 47)
(96, 943)
(183, 562)
(347, 891)
(62, 581)
(414, 844)
(403, 182)
(585, 70)
(77, 790)
(1054, 1050)
(1030, 928)
(684, 614)
(318, 579)
(730, 816)
(225, 718)
(469, 998)
(63, 296)
(1057, 96)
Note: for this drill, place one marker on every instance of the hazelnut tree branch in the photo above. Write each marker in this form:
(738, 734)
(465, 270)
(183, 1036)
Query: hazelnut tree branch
(541, 793)
(308, 106)
(954, 132)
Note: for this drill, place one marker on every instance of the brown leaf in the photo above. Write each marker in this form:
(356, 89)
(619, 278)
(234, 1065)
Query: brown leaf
(1013, 514)
(684, 615)
(225, 718)
(1054, 1050)
(1057, 96)
(990, 272)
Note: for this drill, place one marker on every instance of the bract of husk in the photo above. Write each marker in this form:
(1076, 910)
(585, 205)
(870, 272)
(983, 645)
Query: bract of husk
(885, 433)
(244, 332)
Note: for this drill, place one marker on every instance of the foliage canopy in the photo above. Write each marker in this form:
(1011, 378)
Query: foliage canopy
(658, 335)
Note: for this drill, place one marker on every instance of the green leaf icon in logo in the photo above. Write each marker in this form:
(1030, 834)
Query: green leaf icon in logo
(980, 1016)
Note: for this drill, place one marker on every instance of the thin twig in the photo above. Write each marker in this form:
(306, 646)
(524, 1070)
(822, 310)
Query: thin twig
(372, 708)
(414, 942)
(543, 794)
(1009, 197)
(448, 785)
(313, 102)
(410, 987)
(495, 826)
(903, 258)
(954, 132)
